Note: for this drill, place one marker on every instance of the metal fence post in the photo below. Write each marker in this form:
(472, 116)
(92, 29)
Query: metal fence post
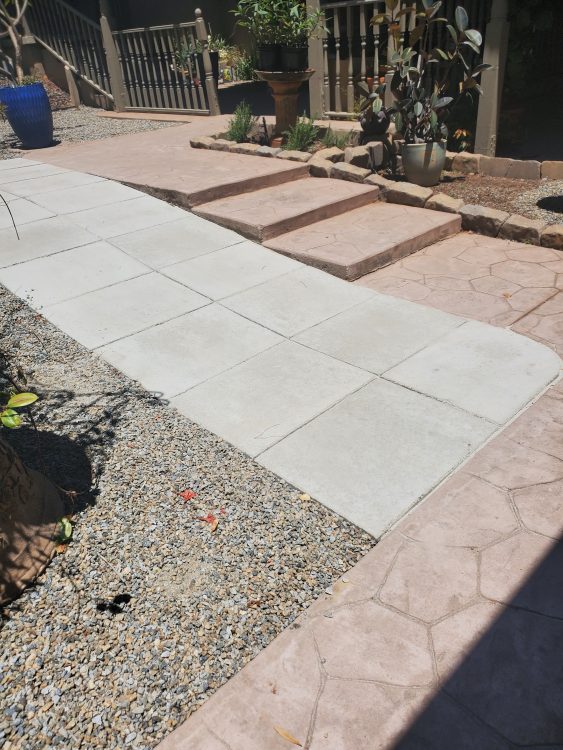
(112, 58)
(210, 83)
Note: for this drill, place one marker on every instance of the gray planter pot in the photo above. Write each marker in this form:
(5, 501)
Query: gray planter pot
(423, 162)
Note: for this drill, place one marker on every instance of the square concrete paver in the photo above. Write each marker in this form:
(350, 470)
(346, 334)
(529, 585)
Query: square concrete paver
(480, 368)
(62, 181)
(261, 401)
(23, 212)
(121, 309)
(176, 241)
(186, 351)
(101, 193)
(376, 453)
(231, 270)
(17, 163)
(46, 281)
(27, 172)
(126, 216)
(40, 238)
(297, 300)
(379, 334)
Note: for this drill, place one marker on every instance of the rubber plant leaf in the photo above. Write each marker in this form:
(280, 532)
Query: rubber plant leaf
(22, 399)
(461, 18)
(10, 418)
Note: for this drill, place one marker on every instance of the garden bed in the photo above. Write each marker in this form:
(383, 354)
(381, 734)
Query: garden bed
(507, 194)
(148, 611)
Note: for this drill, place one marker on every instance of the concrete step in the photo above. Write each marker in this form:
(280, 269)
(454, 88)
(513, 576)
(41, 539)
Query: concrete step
(360, 241)
(272, 211)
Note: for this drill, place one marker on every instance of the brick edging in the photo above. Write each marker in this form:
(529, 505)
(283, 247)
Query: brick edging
(475, 218)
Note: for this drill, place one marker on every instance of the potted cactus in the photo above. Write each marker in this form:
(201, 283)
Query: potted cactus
(420, 111)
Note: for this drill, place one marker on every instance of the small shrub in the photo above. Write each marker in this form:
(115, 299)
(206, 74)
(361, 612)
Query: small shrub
(241, 124)
(333, 139)
(245, 68)
(302, 135)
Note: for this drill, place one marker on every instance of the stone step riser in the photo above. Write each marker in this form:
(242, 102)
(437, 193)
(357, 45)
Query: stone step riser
(336, 258)
(265, 226)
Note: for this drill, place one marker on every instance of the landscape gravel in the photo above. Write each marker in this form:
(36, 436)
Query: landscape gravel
(148, 611)
(515, 196)
(76, 125)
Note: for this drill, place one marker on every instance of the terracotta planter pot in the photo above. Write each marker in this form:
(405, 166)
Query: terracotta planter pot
(424, 162)
(30, 509)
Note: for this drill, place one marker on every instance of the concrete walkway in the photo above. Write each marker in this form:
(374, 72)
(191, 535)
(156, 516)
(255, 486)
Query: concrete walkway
(363, 401)
(366, 402)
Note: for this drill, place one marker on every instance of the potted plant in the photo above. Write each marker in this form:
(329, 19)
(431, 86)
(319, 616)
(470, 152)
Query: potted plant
(298, 25)
(262, 20)
(27, 105)
(418, 111)
(189, 61)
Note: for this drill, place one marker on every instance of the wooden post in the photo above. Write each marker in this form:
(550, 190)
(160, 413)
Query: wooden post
(317, 104)
(210, 83)
(115, 73)
(495, 52)
(72, 87)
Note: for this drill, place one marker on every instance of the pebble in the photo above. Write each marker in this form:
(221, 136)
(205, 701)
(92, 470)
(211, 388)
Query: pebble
(194, 607)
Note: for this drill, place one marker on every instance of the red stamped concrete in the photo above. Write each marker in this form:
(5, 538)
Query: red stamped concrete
(446, 635)
(495, 281)
(355, 243)
(163, 163)
(272, 211)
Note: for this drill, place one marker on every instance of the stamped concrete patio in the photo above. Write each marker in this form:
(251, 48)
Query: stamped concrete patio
(447, 634)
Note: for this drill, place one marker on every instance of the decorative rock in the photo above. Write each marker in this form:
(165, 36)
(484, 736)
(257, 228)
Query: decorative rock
(449, 163)
(382, 183)
(320, 167)
(358, 156)
(552, 236)
(443, 202)
(268, 151)
(553, 170)
(482, 219)
(301, 156)
(333, 154)
(466, 163)
(221, 144)
(246, 148)
(204, 141)
(522, 229)
(494, 166)
(524, 170)
(376, 154)
(342, 171)
(408, 194)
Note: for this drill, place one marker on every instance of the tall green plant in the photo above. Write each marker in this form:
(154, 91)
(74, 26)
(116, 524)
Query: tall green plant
(419, 114)
(241, 124)
(302, 135)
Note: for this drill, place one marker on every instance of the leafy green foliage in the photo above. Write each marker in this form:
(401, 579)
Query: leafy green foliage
(420, 115)
(333, 139)
(241, 124)
(302, 135)
(9, 416)
(245, 68)
(277, 21)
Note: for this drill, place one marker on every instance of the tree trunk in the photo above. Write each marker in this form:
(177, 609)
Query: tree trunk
(17, 44)
(30, 509)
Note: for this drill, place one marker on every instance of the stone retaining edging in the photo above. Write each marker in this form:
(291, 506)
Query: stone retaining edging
(352, 165)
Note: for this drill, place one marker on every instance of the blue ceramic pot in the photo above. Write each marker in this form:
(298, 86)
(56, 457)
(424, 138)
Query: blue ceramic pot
(29, 113)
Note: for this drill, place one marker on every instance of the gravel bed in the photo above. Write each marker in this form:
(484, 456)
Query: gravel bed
(80, 125)
(514, 196)
(81, 669)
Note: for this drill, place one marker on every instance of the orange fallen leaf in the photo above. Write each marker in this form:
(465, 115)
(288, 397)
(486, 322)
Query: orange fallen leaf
(60, 549)
(211, 520)
(187, 495)
(287, 736)
(507, 295)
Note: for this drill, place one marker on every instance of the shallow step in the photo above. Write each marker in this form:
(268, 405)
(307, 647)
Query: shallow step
(360, 241)
(267, 213)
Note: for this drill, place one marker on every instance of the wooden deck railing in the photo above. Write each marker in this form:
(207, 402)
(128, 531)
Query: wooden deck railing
(72, 38)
